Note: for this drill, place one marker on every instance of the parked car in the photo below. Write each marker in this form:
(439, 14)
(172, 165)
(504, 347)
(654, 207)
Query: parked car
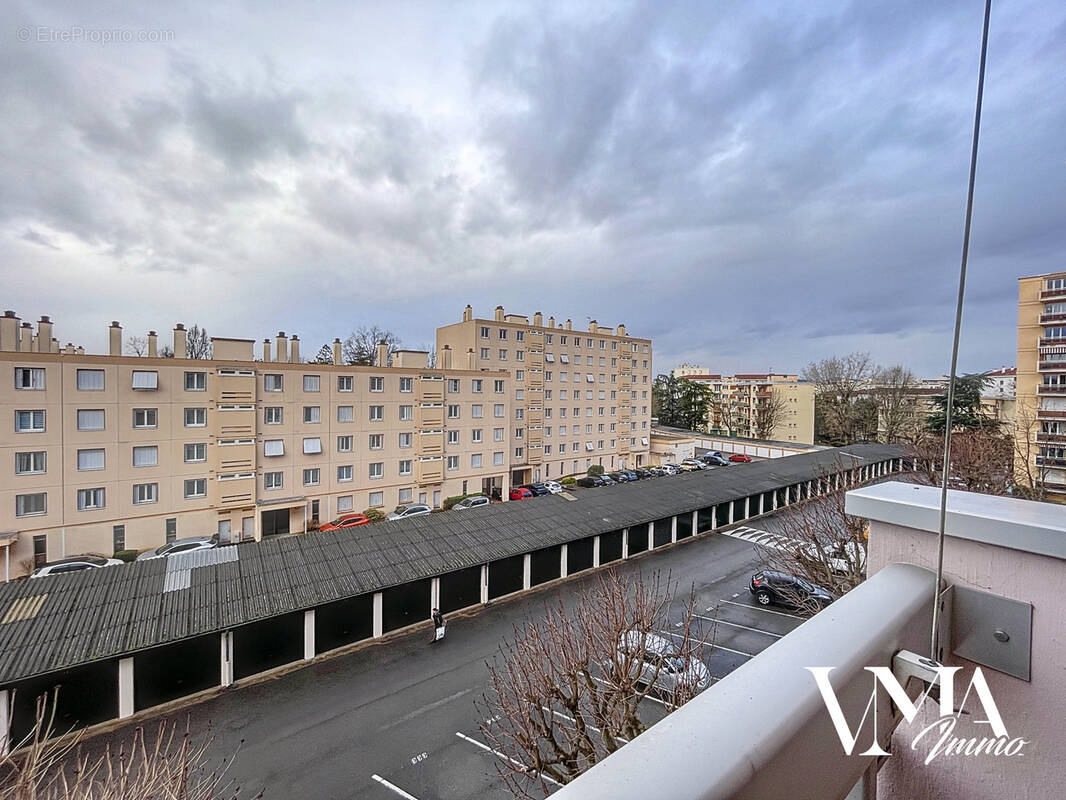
(589, 481)
(186, 545)
(607, 480)
(658, 472)
(409, 510)
(661, 665)
(715, 459)
(672, 469)
(632, 474)
(691, 465)
(769, 587)
(346, 521)
(520, 493)
(553, 487)
(538, 488)
(74, 564)
(740, 458)
(471, 502)
(619, 477)
(841, 557)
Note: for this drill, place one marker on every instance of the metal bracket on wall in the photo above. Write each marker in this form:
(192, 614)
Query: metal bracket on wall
(992, 631)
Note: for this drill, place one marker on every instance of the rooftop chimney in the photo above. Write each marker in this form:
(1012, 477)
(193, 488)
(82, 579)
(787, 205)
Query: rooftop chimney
(569, 325)
(551, 322)
(25, 337)
(179, 341)
(468, 313)
(69, 349)
(337, 352)
(44, 335)
(281, 349)
(383, 354)
(81, 350)
(9, 331)
(114, 339)
(266, 350)
(499, 313)
(444, 358)
(593, 327)
(471, 359)
(153, 345)
(55, 345)
(294, 349)
(538, 319)
(621, 330)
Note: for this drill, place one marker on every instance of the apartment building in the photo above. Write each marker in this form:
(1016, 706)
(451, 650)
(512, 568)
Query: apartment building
(113, 452)
(749, 404)
(1041, 382)
(579, 397)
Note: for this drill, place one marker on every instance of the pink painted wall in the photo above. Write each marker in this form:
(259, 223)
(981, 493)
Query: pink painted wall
(1034, 710)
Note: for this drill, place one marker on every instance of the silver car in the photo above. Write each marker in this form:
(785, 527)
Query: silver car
(186, 545)
(662, 665)
(471, 502)
(74, 564)
(412, 510)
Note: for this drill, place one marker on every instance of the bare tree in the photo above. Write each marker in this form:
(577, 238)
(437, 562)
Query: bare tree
(897, 403)
(769, 413)
(166, 351)
(838, 383)
(360, 348)
(1029, 477)
(982, 460)
(137, 345)
(197, 343)
(171, 763)
(565, 691)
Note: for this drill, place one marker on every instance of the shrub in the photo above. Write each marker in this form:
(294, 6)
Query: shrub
(596, 469)
(568, 481)
(125, 555)
(313, 525)
(374, 514)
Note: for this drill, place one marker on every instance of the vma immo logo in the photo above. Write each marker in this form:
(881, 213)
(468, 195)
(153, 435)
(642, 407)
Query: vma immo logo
(939, 735)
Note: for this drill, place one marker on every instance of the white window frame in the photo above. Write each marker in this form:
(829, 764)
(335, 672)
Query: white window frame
(195, 459)
(149, 493)
(87, 373)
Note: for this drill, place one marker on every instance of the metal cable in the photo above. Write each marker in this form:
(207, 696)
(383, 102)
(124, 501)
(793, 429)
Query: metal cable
(934, 650)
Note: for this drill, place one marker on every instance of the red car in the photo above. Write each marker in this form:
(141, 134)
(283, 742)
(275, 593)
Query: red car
(518, 493)
(345, 521)
(740, 458)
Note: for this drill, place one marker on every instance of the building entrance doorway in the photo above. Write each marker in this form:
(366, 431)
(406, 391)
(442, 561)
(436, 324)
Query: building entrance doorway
(275, 523)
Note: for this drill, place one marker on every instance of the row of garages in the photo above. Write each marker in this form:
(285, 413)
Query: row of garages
(120, 687)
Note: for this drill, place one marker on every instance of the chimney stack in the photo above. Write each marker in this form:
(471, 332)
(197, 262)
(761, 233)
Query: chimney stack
(621, 330)
(44, 335)
(55, 345)
(266, 350)
(69, 349)
(471, 360)
(281, 347)
(593, 327)
(153, 345)
(115, 339)
(81, 350)
(569, 325)
(179, 341)
(499, 313)
(294, 349)
(337, 352)
(383, 354)
(551, 322)
(444, 358)
(25, 337)
(468, 313)
(9, 331)
(538, 319)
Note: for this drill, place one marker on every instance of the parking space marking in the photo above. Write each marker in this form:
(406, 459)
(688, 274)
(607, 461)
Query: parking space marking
(393, 787)
(759, 608)
(671, 706)
(738, 625)
(561, 715)
(528, 770)
(712, 645)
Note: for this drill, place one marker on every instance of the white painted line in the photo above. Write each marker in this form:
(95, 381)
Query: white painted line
(764, 610)
(561, 715)
(731, 650)
(738, 625)
(645, 697)
(528, 770)
(394, 788)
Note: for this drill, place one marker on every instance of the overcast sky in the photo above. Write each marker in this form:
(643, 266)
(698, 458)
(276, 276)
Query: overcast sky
(753, 185)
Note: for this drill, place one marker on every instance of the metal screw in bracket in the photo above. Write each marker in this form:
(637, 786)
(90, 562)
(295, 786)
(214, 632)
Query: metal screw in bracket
(1001, 635)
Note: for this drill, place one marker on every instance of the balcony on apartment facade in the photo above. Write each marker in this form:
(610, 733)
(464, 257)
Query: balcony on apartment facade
(1051, 388)
(1053, 294)
(764, 730)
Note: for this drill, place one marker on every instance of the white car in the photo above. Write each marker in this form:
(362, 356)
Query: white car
(74, 564)
(662, 665)
(413, 510)
(840, 556)
(553, 487)
(470, 502)
(186, 545)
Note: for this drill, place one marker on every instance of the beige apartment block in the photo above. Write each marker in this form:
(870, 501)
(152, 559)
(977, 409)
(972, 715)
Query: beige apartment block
(579, 397)
(736, 401)
(1041, 382)
(112, 452)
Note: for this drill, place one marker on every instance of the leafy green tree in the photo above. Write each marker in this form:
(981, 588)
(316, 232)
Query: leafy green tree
(693, 401)
(966, 413)
(324, 355)
(664, 399)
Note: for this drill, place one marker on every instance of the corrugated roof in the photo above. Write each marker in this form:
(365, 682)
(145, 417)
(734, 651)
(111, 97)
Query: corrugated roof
(104, 613)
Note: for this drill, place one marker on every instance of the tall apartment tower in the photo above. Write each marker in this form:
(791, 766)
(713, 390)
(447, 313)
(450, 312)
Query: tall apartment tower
(741, 405)
(1041, 383)
(580, 397)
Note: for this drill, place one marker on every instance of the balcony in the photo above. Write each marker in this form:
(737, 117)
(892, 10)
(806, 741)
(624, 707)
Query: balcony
(1056, 342)
(1053, 294)
(1051, 388)
(1047, 413)
(1005, 562)
(1051, 366)
(1051, 461)
(1049, 318)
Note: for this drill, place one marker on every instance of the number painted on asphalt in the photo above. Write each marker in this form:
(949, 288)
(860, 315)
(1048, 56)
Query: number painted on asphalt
(420, 757)
(492, 719)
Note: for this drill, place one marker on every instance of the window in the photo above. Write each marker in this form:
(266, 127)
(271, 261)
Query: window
(28, 505)
(548, 375)
(90, 499)
(519, 433)
(312, 383)
(483, 352)
(345, 413)
(377, 383)
(145, 493)
(145, 418)
(520, 394)
(519, 413)
(195, 452)
(564, 358)
(405, 467)
(475, 436)
(548, 430)
(271, 480)
(497, 434)
(497, 410)
(503, 355)
(377, 441)
(520, 336)
(453, 385)
(453, 437)
(146, 456)
(377, 470)
(312, 414)
(407, 413)
(273, 448)
(195, 417)
(273, 383)
(453, 412)
(503, 333)
(92, 419)
(195, 381)
(405, 440)
(497, 459)
(519, 355)
(273, 415)
(497, 387)
(547, 449)
(29, 421)
(562, 340)
(197, 487)
(477, 385)
(345, 503)
(475, 461)
(376, 499)
(377, 413)
(477, 411)
(29, 377)
(90, 380)
(406, 384)
(344, 383)
(403, 496)
(90, 460)
(312, 476)
(30, 463)
(145, 380)
(118, 538)
(484, 332)
(312, 446)
(519, 452)
(344, 444)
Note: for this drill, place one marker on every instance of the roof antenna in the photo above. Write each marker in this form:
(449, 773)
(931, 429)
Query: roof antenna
(935, 644)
